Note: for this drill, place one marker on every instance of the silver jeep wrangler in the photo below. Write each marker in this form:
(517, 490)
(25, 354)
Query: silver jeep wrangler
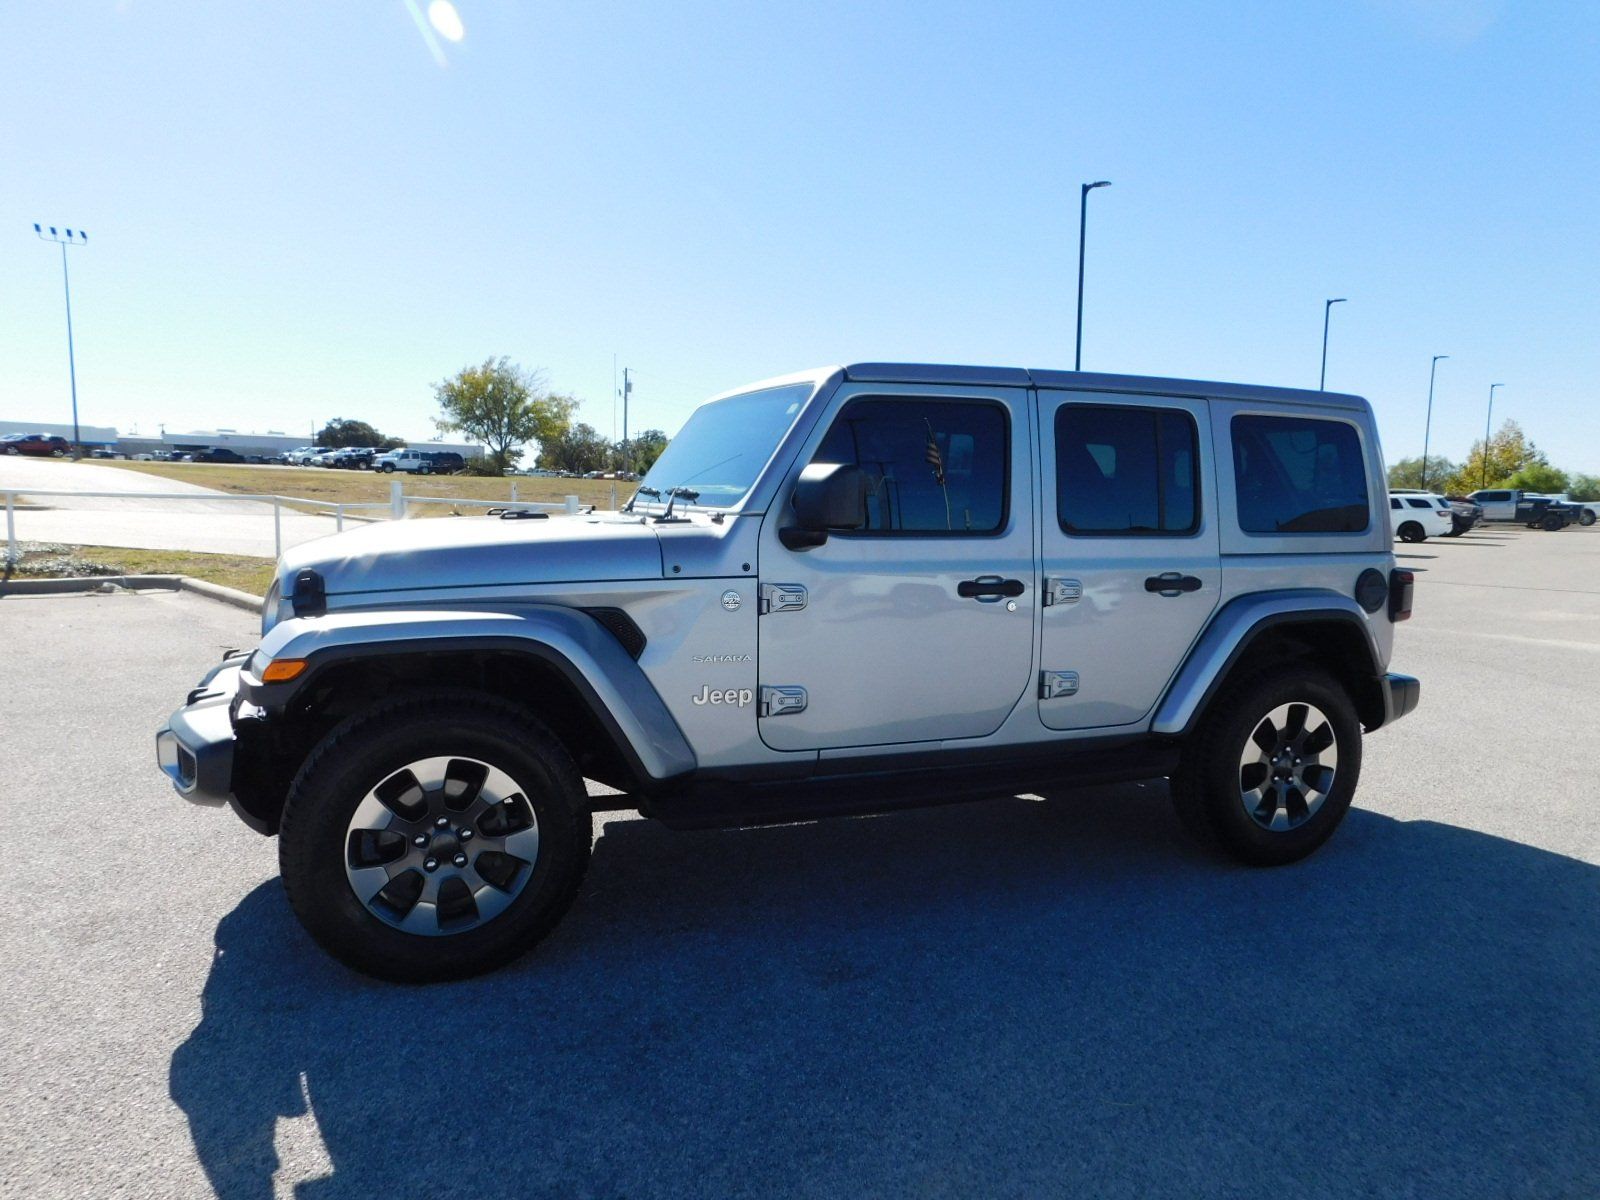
(839, 591)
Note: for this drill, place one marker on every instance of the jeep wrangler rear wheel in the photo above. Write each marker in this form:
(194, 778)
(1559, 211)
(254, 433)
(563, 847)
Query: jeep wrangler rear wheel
(1271, 769)
(434, 838)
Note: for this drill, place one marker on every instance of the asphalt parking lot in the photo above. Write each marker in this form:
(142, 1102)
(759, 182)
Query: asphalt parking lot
(1012, 998)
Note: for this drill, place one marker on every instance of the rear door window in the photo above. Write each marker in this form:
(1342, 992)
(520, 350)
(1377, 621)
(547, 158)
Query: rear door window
(1125, 470)
(1298, 475)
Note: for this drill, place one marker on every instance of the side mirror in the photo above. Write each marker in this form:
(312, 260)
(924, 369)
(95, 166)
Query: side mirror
(828, 496)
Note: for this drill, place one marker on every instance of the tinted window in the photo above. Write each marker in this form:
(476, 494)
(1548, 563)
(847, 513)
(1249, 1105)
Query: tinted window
(1125, 470)
(932, 466)
(1495, 497)
(1298, 475)
(1415, 503)
(1394, 502)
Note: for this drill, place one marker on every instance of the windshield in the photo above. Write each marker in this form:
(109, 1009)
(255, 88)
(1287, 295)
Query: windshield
(723, 446)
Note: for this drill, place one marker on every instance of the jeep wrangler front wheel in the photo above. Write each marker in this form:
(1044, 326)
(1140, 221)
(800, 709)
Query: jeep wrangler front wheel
(434, 838)
(1271, 770)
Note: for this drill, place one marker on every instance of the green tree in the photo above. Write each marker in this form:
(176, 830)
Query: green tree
(1407, 473)
(504, 407)
(1509, 451)
(640, 453)
(339, 432)
(1584, 487)
(579, 448)
(1539, 477)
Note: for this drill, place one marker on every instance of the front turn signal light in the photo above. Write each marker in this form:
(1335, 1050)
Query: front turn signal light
(283, 670)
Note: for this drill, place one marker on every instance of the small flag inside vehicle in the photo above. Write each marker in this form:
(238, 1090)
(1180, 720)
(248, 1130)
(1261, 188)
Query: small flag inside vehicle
(935, 459)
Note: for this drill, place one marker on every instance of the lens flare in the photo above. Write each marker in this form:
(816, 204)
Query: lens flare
(446, 21)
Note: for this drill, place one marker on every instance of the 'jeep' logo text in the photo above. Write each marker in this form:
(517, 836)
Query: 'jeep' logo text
(738, 696)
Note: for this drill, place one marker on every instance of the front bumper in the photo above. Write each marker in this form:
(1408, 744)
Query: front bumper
(195, 749)
(1400, 695)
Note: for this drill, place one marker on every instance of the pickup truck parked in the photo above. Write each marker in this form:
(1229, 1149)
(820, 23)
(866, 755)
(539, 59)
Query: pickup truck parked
(1524, 508)
(1587, 510)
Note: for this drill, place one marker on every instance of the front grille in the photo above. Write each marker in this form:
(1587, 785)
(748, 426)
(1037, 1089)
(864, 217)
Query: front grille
(620, 626)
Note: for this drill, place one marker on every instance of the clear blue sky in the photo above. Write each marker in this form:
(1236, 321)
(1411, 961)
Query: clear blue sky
(301, 210)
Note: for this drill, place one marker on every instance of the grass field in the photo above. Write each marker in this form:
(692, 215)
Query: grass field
(321, 483)
(49, 560)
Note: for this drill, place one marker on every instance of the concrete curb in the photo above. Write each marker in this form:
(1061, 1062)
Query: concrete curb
(172, 583)
(216, 591)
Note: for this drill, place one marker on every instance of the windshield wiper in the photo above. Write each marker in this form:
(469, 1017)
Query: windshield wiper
(641, 491)
(674, 494)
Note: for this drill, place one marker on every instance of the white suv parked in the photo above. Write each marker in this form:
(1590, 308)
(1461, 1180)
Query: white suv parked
(1418, 516)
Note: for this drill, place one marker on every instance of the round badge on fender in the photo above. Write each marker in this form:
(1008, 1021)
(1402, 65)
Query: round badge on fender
(730, 600)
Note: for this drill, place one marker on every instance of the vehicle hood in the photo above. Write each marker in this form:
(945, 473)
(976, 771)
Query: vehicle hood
(435, 552)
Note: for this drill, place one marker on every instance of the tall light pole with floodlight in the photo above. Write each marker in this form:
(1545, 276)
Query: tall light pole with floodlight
(1327, 306)
(1483, 478)
(1427, 424)
(1083, 224)
(64, 239)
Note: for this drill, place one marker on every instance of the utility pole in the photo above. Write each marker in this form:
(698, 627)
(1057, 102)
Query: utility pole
(1428, 424)
(1327, 306)
(627, 390)
(69, 238)
(1083, 224)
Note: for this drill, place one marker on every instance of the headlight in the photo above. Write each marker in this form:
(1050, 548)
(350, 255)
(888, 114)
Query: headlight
(274, 608)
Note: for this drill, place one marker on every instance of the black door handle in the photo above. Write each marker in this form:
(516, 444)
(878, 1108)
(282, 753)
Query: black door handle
(990, 587)
(1172, 584)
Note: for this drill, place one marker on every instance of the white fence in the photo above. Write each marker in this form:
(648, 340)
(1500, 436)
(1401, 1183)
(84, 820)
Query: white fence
(393, 508)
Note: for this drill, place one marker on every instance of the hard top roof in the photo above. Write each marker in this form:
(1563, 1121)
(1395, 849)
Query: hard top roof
(938, 373)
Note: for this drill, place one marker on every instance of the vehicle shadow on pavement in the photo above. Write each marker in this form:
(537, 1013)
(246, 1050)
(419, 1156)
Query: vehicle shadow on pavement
(1014, 998)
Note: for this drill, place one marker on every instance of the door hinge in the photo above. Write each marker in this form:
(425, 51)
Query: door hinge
(1062, 591)
(1054, 684)
(781, 597)
(781, 701)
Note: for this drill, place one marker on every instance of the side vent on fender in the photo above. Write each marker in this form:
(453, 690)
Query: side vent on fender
(620, 626)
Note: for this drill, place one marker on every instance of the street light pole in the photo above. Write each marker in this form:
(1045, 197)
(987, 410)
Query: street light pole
(1483, 477)
(69, 238)
(1083, 223)
(1427, 425)
(1327, 306)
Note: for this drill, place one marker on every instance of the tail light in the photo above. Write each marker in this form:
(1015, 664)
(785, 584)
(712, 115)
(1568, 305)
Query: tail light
(1401, 586)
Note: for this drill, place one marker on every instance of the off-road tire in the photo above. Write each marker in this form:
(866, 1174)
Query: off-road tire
(1586, 518)
(1206, 789)
(1551, 523)
(366, 748)
(1412, 531)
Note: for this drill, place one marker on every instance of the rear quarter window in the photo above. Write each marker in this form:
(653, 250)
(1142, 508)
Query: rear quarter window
(1298, 475)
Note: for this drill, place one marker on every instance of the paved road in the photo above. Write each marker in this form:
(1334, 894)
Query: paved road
(203, 523)
(1013, 998)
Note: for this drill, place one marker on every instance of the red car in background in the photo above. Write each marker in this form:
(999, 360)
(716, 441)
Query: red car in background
(35, 443)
